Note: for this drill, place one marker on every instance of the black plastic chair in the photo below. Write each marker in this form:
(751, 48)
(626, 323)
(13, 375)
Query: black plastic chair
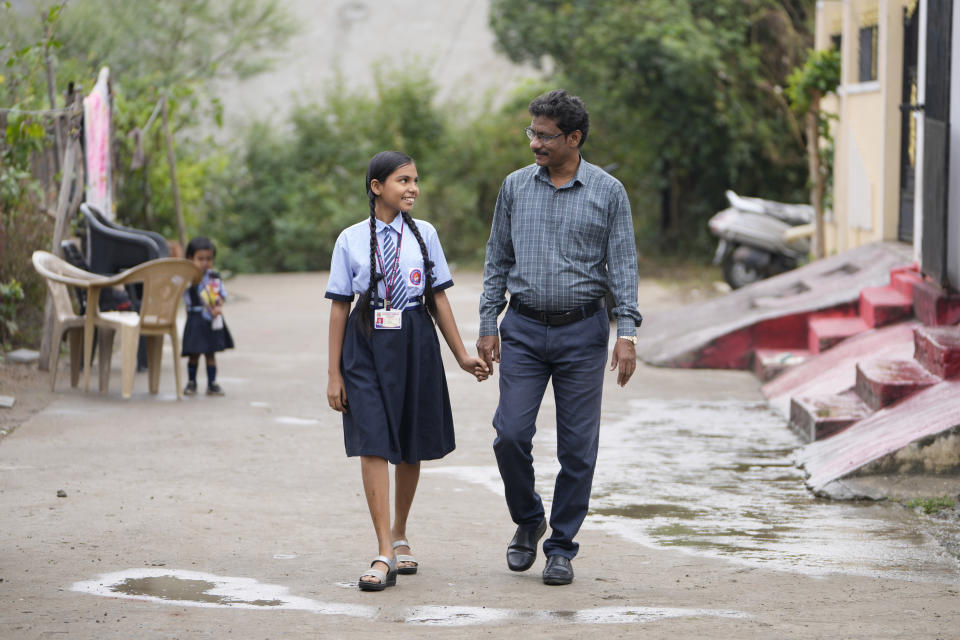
(112, 248)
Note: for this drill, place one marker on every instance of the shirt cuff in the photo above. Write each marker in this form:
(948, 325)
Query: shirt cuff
(338, 296)
(443, 285)
(488, 327)
(626, 326)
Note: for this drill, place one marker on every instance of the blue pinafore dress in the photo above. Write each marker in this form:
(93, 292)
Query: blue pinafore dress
(398, 405)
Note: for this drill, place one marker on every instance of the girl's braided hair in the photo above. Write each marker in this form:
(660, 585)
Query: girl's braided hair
(380, 168)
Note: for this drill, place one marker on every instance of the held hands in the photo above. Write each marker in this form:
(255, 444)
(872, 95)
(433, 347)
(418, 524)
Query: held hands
(488, 348)
(475, 366)
(337, 393)
(625, 358)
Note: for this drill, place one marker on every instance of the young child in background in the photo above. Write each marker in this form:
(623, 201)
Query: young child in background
(205, 331)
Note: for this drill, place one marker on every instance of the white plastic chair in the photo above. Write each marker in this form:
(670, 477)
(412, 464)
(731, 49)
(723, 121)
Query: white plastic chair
(164, 281)
(59, 274)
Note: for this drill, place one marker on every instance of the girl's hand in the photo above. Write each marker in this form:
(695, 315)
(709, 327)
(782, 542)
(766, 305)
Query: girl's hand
(476, 367)
(337, 394)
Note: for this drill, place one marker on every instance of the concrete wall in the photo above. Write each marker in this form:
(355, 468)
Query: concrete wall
(867, 135)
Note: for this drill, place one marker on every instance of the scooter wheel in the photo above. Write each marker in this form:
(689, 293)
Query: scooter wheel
(739, 273)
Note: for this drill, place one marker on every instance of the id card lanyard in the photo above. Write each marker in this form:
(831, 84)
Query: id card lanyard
(396, 266)
(388, 318)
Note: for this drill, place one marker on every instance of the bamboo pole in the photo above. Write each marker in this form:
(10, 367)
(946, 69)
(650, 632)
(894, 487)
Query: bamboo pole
(171, 160)
(63, 209)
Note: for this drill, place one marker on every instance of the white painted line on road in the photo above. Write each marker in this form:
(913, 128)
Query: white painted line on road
(295, 421)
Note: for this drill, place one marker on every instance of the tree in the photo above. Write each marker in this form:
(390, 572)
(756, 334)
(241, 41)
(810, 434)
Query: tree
(171, 54)
(684, 93)
(808, 84)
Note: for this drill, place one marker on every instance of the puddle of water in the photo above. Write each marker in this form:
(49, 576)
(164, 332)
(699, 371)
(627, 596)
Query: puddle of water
(198, 589)
(259, 405)
(444, 616)
(284, 556)
(173, 588)
(717, 479)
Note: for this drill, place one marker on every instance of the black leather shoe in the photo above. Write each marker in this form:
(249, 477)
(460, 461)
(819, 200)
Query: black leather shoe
(523, 548)
(558, 571)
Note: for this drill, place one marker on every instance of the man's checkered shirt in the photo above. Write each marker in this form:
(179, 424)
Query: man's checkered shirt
(558, 248)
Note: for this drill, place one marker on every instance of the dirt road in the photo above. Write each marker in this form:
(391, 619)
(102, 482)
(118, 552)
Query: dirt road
(240, 517)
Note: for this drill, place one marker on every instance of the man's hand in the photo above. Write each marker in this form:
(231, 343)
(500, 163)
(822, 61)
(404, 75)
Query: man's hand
(488, 348)
(625, 357)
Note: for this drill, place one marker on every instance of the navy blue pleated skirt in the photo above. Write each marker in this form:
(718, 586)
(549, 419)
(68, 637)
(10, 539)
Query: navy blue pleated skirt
(398, 406)
(200, 337)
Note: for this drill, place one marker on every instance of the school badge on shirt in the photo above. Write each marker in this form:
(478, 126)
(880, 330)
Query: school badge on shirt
(415, 277)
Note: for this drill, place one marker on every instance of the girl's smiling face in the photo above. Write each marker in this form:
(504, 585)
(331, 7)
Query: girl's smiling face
(398, 192)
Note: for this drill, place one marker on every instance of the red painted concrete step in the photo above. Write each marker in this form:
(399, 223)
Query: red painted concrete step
(903, 280)
(938, 349)
(880, 306)
(817, 417)
(934, 306)
(881, 382)
(824, 332)
(921, 418)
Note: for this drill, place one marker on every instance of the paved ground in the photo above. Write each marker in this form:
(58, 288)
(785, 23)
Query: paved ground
(231, 495)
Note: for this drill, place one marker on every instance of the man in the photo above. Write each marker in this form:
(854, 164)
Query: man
(562, 237)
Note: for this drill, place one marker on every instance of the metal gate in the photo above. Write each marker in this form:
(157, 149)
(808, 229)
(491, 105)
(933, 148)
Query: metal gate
(933, 249)
(908, 123)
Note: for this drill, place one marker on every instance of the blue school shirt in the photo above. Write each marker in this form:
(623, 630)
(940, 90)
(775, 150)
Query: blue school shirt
(350, 264)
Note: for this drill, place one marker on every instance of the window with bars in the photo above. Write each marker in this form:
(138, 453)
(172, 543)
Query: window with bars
(868, 53)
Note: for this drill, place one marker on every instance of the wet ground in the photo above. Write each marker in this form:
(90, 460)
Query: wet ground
(240, 515)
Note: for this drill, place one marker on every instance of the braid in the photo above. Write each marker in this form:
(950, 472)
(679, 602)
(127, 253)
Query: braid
(427, 266)
(370, 295)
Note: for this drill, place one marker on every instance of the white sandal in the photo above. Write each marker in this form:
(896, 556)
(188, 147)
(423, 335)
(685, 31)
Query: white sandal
(407, 571)
(387, 579)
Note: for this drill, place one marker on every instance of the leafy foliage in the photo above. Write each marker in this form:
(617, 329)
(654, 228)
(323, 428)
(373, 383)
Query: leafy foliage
(685, 95)
(818, 76)
(297, 191)
(11, 293)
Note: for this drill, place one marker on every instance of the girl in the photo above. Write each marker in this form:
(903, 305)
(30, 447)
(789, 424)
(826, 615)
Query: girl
(205, 332)
(385, 372)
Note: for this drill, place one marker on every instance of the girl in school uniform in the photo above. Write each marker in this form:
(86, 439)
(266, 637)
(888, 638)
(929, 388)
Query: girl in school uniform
(385, 372)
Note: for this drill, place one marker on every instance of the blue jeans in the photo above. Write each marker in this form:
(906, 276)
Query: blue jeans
(574, 356)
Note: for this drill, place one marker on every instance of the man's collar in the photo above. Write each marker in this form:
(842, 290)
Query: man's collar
(580, 176)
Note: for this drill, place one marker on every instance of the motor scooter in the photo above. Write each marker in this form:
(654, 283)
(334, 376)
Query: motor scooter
(760, 238)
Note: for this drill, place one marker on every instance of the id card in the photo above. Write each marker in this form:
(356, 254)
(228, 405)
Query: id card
(387, 318)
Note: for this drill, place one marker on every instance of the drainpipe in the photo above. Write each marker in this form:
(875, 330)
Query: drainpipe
(918, 117)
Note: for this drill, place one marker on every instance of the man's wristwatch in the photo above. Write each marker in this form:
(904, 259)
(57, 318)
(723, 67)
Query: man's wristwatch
(632, 339)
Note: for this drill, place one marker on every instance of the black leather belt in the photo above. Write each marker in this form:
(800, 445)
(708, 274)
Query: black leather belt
(558, 319)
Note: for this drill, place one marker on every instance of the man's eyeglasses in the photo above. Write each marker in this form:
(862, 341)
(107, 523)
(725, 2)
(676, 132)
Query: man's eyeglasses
(542, 137)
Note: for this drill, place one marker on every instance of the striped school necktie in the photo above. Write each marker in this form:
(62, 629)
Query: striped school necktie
(398, 288)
